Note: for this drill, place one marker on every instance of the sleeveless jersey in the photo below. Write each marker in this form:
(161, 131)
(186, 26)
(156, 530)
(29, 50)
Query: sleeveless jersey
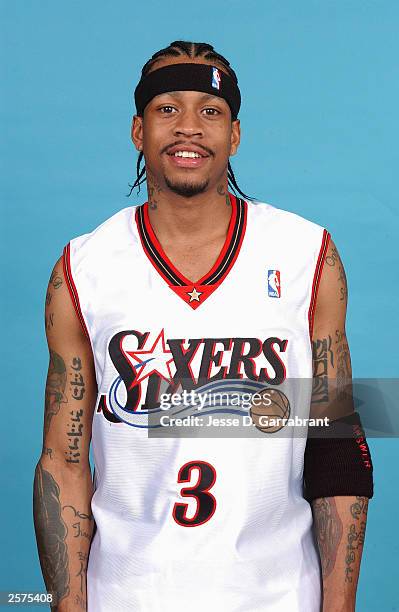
(196, 516)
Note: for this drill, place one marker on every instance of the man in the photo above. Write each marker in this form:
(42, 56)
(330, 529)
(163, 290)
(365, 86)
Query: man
(198, 290)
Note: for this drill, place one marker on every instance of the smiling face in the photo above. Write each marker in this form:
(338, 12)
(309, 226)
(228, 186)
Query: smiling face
(187, 138)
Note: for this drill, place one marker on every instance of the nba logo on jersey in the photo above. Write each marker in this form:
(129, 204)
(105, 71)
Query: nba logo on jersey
(216, 78)
(273, 283)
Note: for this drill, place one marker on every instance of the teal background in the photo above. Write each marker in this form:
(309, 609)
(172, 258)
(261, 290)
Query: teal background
(319, 137)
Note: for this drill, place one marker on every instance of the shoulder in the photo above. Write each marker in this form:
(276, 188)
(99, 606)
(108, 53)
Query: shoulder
(118, 226)
(333, 289)
(290, 227)
(96, 248)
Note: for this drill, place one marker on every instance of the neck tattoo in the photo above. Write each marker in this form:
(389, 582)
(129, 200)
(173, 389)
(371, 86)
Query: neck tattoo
(222, 192)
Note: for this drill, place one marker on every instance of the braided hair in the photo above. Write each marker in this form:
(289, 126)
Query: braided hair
(191, 50)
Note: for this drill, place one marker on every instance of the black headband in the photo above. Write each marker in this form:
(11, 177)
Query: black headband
(188, 77)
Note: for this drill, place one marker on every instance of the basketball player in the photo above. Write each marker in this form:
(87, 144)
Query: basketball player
(197, 289)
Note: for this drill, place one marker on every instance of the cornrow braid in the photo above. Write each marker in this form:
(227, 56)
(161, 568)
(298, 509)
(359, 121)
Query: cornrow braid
(190, 49)
(180, 47)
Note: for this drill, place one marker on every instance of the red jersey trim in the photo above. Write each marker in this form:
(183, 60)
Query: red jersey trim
(316, 279)
(233, 243)
(73, 292)
(206, 285)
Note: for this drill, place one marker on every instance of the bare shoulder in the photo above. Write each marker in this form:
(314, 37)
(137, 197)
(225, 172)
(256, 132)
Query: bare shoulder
(60, 316)
(332, 296)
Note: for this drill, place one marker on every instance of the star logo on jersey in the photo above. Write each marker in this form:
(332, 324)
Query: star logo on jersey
(156, 359)
(194, 295)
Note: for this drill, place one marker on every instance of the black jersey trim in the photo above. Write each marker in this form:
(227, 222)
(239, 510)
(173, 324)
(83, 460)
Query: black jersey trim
(215, 276)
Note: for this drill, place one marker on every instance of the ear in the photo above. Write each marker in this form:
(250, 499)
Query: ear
(137, 132)
(235, 136)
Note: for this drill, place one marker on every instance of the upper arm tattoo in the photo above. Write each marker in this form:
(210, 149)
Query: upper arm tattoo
(344, 370)
(323, 356)
(75, 424)
(55, 388)
(56, 279)
(333, 260)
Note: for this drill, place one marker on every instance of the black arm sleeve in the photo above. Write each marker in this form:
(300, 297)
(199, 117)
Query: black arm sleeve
(337, 460)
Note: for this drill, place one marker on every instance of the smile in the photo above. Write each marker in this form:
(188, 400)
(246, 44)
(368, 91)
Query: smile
(186, 154)
(187, 159)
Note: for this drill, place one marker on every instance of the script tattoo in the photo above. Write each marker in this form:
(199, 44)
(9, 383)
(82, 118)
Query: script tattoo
(355, 536)
(82, 556)
(56, 279)
(47, 451)
(75, 425)
(77, 526)
(55, 388)
(359, 508)
(83, 569)
(322, 357)
(76, 381)
(51, 533)
(222, 192)
(333, 258)
(343, 283)
(152, 202)
(81, 515)
(49, 321)
(80, 602)
(344, 370)
(74, 433)
(81, 532)
(49, 317)
(328, 529)
(153, 189)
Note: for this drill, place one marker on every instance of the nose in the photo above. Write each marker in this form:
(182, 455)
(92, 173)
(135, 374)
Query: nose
(188, 124)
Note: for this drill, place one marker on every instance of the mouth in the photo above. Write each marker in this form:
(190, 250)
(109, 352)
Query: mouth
(187, 157)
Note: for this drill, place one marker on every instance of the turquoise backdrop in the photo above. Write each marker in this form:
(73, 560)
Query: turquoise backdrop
(319, 137)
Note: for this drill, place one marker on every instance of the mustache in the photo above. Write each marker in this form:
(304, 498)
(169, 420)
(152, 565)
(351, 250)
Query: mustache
(177, 143)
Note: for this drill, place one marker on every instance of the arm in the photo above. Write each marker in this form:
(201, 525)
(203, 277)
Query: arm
(340, 525)
(63, 487)
(340, 521)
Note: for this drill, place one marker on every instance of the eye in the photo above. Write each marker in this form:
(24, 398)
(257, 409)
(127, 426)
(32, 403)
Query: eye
(166, 110)
(211, 111)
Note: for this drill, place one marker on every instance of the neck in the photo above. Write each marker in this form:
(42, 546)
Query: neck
(178, 218)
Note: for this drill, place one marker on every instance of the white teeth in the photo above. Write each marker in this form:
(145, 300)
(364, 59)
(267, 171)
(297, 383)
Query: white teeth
(186, 154)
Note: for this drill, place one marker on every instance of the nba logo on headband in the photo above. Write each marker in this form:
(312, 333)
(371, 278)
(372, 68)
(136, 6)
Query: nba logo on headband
(216, 78)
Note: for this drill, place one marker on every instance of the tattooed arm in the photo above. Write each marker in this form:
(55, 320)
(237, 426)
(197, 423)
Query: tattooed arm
(340, 526)
(339, 522)
(62, 487)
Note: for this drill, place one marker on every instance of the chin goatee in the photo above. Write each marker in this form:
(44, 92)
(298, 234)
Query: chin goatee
(186, 189)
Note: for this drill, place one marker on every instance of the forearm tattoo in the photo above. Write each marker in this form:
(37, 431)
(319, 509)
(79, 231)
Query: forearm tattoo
(328, 530)
(83, 530)
(355, 536)
(51, 533)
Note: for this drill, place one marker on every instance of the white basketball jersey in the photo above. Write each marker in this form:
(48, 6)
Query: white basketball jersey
(195, 515)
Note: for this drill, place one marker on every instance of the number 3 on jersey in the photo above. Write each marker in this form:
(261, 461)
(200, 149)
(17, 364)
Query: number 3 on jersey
(206, 503)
